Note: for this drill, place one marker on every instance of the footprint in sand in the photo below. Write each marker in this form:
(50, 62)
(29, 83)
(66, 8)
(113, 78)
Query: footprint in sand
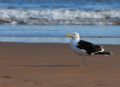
(6, 76)
(29, 82)
(101, 84)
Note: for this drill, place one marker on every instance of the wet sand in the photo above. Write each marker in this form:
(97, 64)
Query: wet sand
(55, 65)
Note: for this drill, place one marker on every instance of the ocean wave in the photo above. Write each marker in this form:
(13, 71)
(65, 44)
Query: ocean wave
(58, 16)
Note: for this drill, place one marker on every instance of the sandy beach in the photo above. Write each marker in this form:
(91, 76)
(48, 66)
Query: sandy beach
(55, 65)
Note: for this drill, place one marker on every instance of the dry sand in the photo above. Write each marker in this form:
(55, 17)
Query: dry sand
(55, 65)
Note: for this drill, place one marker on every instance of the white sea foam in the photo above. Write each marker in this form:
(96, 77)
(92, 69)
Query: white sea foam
(58, 16)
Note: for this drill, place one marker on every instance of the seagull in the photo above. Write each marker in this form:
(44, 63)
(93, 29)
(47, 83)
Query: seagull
(83, 47)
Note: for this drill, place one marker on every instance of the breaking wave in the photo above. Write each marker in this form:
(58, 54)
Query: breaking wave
(59, 16)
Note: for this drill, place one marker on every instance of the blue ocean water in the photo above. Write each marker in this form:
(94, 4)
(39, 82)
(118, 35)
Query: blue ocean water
(73, 4)
(49, 20)
(56, 33)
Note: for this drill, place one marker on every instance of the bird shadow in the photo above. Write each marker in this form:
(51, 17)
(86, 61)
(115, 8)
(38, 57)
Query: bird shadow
(46, 65)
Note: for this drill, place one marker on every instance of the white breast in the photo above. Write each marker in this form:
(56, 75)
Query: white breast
(76, 49)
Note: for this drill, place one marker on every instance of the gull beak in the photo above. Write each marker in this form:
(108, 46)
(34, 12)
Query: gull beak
(69, 35)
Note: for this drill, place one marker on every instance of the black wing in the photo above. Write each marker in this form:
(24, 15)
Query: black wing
(89, 47)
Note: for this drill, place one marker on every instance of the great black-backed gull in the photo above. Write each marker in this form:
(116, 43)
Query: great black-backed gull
(83, 47)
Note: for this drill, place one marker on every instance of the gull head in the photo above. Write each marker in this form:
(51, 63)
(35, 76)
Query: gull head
(74, 36)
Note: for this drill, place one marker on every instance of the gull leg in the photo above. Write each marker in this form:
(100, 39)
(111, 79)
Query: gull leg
(84, 60)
